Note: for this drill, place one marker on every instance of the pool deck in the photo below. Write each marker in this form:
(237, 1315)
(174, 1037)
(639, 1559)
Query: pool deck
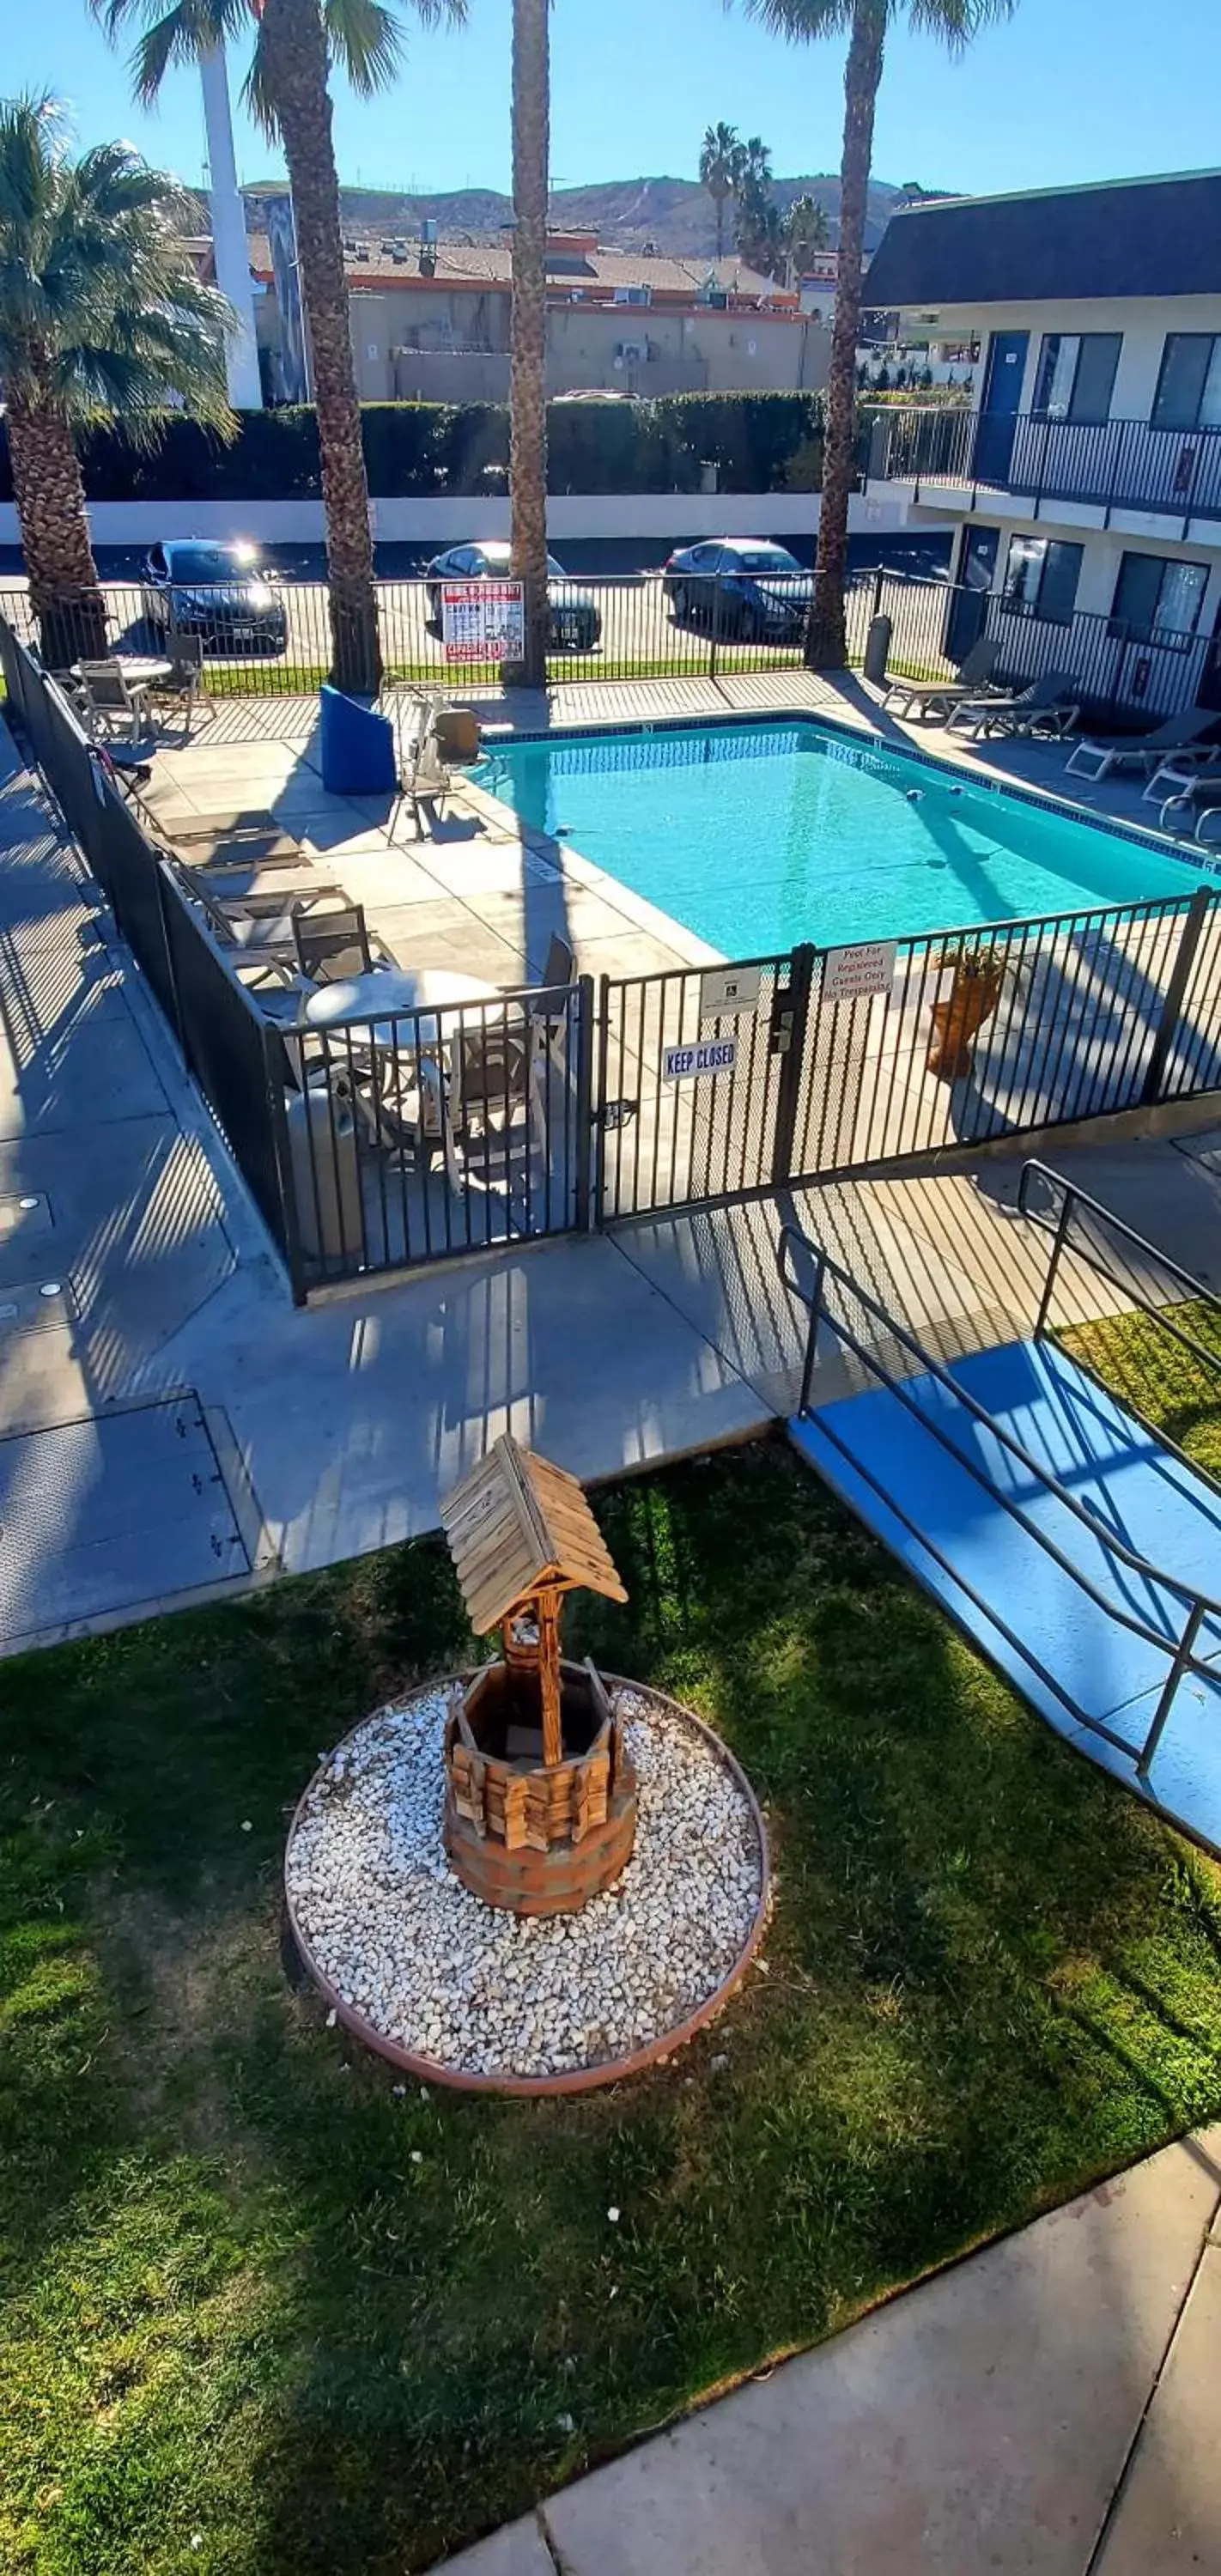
(341, 1425)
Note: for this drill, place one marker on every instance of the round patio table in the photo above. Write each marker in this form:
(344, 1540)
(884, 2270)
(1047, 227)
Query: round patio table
(140, 670)
(434, 991)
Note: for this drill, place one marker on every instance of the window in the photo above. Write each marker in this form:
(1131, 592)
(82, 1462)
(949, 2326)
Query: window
(1041, 574)
(1076, 375)
(1156, 595)
(1189, 387)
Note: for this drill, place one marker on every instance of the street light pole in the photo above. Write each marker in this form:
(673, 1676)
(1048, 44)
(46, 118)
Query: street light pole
(229, 233)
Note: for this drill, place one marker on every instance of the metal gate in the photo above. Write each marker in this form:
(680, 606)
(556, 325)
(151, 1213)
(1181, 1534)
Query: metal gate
(699, 1080)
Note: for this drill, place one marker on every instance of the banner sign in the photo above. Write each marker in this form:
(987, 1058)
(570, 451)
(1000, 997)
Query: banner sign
(483, 621)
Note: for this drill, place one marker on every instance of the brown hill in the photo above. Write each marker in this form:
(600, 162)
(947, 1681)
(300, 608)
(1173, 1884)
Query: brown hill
(674, 214)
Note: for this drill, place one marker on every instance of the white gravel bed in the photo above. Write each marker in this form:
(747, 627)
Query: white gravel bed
(482, 1992)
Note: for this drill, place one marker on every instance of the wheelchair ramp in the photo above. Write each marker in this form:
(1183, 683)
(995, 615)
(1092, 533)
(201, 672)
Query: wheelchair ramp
(105, 1519)
(955, 1531)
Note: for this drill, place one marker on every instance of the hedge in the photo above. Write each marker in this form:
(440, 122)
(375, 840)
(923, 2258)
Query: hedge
(661, 446)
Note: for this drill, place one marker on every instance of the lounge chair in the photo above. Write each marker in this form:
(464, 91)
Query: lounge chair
(1182, 772)
(924, 698)
(1142, 751)
(1046, 706)
(110, 702)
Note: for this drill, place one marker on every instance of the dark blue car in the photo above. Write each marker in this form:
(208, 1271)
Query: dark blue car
(745, 585)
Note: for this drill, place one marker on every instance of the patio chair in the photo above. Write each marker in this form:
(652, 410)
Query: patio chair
(494, 1079)
(332, 945)
(548, 1023)
(183, 685)
(423, 775)
(110, 702)
(1045, 706)
(924, 698)
(1142, 751)
(411, 1115)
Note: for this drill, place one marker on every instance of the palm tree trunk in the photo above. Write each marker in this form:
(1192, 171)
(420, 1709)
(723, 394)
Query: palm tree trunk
(719, 203)
(295, 52)
(528, 364)
(826, 641)
(50, 495)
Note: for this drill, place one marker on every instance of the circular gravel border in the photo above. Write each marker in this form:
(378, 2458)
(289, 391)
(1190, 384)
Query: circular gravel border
(584, 2079)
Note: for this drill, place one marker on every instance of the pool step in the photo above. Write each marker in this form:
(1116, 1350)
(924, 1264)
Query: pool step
(991, 1574)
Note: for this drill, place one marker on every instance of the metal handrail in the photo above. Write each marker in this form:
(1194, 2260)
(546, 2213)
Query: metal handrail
(1075, 1196)
(1198, 1604)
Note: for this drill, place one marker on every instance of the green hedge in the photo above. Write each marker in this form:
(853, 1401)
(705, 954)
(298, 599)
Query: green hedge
(464, 448)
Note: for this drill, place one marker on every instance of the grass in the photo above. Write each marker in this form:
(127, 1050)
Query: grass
(292, 679)
(246, 2332)
(1150, 1370)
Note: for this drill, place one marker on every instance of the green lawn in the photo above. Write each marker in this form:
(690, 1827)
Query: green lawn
(1149, 1369)
(247, 2331)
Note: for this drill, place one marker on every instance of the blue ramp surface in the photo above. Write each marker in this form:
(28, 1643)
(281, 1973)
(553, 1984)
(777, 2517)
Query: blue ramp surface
(1116, 1469)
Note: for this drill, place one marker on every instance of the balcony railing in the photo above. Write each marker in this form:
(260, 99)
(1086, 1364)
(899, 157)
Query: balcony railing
(1113, 464)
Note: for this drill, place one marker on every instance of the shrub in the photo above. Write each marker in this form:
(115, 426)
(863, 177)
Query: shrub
(429, 448)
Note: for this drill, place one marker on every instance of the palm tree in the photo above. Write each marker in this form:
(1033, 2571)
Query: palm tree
(865, 22)
(101, 319)
(528, 360)
(296, 43)
(806, 231)
(720, 170)
(757, 228)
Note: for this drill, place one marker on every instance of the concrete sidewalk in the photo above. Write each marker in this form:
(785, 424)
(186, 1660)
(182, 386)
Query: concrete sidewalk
(1046, 2408)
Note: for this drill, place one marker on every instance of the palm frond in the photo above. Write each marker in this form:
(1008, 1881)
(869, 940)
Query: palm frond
(802, 21)
(100, 310)
(365, 39)
(956, 21)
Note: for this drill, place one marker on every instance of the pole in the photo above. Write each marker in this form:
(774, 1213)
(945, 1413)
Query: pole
(229, 233)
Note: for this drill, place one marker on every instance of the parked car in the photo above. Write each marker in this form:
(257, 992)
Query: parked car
(225, 593)
(754, 589)
(576, 620)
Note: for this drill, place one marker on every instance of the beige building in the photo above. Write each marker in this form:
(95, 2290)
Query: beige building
(430, 321)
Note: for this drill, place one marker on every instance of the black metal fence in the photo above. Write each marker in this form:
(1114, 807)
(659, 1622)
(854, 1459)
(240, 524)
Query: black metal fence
(225, 1040)
(432, 1132)
(642, 626)
(450, 1127)
(731, 1080)
(630, 627)
(1125, 464)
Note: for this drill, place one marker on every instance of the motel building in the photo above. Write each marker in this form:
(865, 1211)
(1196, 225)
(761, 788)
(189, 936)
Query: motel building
(1083, 480)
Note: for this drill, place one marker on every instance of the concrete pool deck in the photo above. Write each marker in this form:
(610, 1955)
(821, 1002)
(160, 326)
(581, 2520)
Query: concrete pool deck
(338, 1427)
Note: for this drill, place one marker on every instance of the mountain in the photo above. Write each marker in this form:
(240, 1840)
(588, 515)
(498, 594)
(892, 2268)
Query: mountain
(674, 214)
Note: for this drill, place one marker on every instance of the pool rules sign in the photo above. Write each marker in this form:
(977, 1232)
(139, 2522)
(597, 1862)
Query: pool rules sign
(483, 621)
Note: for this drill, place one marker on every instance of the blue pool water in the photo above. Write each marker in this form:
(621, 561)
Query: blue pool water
(759, 835)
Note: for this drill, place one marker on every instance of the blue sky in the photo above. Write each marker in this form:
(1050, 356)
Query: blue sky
(1070, 89)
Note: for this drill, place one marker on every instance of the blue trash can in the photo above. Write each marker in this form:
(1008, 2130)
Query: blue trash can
(357, 746)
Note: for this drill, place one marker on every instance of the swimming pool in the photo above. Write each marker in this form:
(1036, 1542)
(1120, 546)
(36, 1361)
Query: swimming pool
(759, 835)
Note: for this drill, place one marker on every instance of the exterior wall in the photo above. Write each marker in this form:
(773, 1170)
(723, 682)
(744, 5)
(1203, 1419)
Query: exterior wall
(1144, 324)
(430, 344)
(670, 517)
(701, 352)
(1103, 551)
